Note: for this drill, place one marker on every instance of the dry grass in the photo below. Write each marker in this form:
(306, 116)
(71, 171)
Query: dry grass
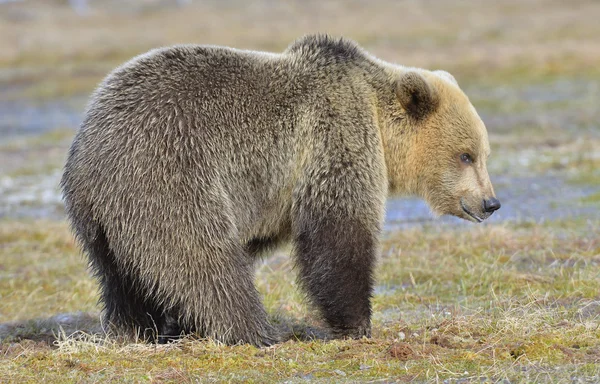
(42, 272)
(491, 301)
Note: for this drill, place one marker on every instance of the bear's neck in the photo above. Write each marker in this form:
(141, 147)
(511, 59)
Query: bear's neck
(398, 141)
(401, 167)
(398, 138)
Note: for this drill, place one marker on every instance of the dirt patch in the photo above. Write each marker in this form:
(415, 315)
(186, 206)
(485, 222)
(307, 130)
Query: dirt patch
(402, 351)
(442, 341)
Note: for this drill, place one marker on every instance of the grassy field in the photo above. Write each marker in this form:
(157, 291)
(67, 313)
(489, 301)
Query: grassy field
(513, 300)
(495, 302)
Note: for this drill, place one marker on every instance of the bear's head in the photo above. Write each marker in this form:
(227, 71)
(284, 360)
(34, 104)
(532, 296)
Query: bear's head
(437, 146)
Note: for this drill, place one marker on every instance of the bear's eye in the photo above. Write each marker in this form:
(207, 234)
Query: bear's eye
(466, 158)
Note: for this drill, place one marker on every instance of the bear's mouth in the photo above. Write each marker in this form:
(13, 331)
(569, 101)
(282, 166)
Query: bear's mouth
(464, 208)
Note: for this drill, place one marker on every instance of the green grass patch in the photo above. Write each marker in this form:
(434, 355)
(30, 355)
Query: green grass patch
(593, 198)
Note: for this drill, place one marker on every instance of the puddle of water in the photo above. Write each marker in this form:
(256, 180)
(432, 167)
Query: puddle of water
(20, 118)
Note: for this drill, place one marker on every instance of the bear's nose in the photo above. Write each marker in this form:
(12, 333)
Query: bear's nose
(491, 205)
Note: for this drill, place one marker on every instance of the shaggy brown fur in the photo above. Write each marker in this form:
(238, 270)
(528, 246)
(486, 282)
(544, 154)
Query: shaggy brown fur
(193, 159)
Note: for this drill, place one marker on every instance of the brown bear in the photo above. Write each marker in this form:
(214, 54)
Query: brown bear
(192, 160)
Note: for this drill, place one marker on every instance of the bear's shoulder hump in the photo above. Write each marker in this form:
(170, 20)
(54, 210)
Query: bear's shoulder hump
(325, 46)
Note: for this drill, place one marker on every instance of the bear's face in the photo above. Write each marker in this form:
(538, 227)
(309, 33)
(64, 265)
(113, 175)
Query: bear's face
(444, 145)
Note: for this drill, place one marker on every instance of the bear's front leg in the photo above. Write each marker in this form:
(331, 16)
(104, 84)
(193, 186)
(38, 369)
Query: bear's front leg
(336, 255)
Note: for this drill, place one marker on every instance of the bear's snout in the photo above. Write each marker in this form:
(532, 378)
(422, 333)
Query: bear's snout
(491, 205)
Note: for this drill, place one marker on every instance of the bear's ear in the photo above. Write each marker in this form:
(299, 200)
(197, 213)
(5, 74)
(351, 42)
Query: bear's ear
(446, 75)
(416, 96)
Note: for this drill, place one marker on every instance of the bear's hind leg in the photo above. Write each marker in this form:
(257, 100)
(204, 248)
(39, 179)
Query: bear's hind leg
(128, 311)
